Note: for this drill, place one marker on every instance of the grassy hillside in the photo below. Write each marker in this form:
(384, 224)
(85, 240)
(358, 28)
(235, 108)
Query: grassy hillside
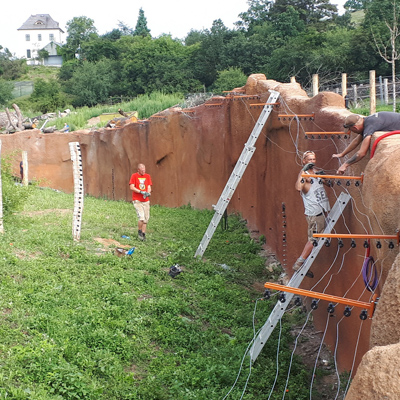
(78, 322)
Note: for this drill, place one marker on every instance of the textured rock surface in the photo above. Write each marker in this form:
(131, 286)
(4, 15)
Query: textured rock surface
(378, 375)
(190, 157)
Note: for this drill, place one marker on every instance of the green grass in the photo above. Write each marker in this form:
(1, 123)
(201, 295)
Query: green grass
(78, 322)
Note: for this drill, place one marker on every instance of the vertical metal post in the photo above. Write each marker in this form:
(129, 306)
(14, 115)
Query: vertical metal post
(76, 158)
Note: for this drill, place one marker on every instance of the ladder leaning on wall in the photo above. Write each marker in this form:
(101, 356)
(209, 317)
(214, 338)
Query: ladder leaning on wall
(237, 173)
(297, 278)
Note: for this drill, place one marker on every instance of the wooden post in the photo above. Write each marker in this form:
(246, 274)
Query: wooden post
(25, 166)
(76, 158)
(372, 92)
(344, 85)
(315, 84)
(386, 90)
(1, 197)
(355, 94)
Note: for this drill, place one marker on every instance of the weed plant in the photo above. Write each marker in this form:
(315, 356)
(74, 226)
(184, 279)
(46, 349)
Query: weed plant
(78, 322)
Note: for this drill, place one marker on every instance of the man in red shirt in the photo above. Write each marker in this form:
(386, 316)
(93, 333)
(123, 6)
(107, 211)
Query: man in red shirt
(140, 184)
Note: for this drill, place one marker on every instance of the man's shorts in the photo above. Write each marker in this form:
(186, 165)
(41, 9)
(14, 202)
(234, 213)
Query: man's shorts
(316, 224)
(142, 210)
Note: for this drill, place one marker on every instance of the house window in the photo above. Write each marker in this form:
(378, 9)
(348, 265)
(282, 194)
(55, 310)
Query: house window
(51, 37)
(28, 54)
(39, 37)
(27, 37)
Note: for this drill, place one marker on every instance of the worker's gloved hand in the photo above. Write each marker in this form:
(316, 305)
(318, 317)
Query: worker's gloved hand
(142, 192)
(322, 172)
(147, 194)
(308, 166)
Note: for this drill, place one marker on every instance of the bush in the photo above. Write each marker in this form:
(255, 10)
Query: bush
(47, 96)
(6, 89)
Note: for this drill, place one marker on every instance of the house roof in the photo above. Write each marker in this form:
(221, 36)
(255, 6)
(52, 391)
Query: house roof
(40, 21)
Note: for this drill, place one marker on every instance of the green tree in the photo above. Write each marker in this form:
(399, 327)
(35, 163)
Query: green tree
(257, 13)
(47, 96)
(92, 83)
(162, 64)
(11, 68)
(6, 89)
(141, 25)
(354, 5)
(80, 30)
(229, 79)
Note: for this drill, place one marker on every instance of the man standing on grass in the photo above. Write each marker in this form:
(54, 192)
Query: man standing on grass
(140, 184)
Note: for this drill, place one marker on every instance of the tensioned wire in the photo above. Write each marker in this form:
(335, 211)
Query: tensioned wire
(295, 140)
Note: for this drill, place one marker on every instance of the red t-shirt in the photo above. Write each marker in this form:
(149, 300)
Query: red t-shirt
(141, 182)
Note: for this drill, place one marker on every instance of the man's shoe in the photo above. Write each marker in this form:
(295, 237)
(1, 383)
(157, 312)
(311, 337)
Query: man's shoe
(143, 236)
(140, 234)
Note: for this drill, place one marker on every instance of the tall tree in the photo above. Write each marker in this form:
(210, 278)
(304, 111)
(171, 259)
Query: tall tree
(80, 30)
(141, 25)
(383, 19)
(257, 13)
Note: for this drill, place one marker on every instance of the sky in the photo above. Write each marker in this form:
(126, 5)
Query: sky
(175, 17)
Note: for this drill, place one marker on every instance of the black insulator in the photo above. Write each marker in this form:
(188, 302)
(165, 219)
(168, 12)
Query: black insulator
(347, 311)
(340, 243)
(326, 137)
(283, 207)
(353, 244)
(267, 294)
(329, 183)
(311, 180)
(357, 183)
(282, 297)
(315, 243)
(302, 180)
(320, 181)
(339, 183)
(306, 137)
(327, 243)
(348, 183)
(366, 244)
(314, 304)
(378, 245)
(319, 136)
(345, 136)
(331, 308)
(391, 245)
(297, 301)
(312, 136)
(363, 315)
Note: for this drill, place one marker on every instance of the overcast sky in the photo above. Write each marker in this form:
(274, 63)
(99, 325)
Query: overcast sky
(175, 17)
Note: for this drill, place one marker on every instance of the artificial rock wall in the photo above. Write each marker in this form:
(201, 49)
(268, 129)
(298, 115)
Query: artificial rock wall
(190, 155)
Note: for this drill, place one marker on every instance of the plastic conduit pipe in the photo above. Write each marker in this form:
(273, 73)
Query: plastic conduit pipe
(380, 138)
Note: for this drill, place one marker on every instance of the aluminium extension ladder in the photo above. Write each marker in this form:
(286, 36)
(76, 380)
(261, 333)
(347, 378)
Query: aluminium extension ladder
(297, 278)
(237, 173)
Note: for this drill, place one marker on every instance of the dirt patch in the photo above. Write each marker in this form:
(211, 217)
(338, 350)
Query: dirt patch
(93, 121)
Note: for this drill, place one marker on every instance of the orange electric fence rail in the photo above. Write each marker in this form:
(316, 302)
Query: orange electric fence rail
(322, 176)
(357, 236)
(370, 307)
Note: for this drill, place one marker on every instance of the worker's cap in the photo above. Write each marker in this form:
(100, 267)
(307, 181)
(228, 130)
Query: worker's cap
(350, 121)
(306, 153)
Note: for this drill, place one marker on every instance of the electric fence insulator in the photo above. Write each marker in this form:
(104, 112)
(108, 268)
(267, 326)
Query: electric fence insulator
(306, 137)
(329, 183)
(357, 183)
(391, 245)
(282, 297)
(348, 183)
(353, 244)
(347, 311)
(339, 183)
(302, 180)
(340, 243)
(320, 181)
(331, 308)
(363, 315)
(267, 294)
(312, 137)
(315, 243)
(327, 243)
(297, 301)
(366, 245)
(314, 304)
(311, 180)
(378, 245)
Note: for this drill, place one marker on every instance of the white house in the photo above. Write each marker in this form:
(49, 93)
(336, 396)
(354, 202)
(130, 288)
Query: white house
(39, 32)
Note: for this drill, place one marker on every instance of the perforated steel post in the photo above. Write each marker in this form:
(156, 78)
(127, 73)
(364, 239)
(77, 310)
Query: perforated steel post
(76, 158)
